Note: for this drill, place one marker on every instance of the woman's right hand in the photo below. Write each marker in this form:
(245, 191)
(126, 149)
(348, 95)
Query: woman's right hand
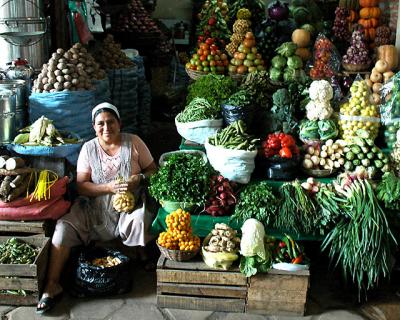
(118, 187)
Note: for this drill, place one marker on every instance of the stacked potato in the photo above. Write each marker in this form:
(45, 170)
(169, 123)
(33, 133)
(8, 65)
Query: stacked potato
(68, 70)
(111, 56)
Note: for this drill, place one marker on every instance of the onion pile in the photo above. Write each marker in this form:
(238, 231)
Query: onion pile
(68, 70)
(222, 197)
(135, 19)
(110, 55)
(357, 53)
(340, 29)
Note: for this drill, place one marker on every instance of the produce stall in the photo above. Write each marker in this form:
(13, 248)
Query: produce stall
(301, 153)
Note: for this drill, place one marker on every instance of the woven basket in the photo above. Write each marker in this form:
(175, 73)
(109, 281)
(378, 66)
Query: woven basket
(237, 77)
(319, 173)
(194, 75)
(177, 255)
(355, 67)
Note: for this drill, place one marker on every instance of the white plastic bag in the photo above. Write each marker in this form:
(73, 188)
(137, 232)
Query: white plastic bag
(235, 165)
(198, 131)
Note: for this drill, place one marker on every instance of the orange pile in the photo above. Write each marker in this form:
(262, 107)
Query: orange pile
(179, 233)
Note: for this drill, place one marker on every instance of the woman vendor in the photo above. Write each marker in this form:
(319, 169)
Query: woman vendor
(92, 217)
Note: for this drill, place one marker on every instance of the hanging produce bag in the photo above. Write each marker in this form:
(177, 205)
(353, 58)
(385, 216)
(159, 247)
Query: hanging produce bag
(390, 109)
(233, 164)
(123, 87)
(326, 59)
(70, 111)
(359, 112)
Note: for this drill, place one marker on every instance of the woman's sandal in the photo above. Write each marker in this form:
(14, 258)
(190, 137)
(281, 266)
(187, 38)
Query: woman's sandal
(48, 303)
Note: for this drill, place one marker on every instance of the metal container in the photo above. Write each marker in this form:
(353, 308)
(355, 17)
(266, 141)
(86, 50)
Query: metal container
(8, 101)
(18, 87)
(23, 31)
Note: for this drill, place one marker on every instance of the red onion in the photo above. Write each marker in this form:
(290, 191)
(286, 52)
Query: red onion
(278, 11)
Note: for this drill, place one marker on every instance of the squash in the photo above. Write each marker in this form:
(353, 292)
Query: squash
(301, 37)
(349, 4)
(303, 53)
(367, 13)
(371, 33)
(388, 52)
(368, 3)
(368, 23)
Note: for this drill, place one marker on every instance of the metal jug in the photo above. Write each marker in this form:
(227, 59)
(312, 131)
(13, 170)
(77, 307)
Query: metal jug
(20, 69)
(8, 100)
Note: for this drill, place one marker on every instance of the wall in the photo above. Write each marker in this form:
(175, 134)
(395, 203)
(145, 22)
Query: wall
(173, 9)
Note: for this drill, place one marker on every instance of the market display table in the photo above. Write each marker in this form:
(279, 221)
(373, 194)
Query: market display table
(195, 286)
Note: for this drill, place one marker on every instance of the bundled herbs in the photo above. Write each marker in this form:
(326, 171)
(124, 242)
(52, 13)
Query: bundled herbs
(364, 230)
(257, 86)
(257, 201)
(388, 191)
(214, 88)
(239, 98)
(234, 136)
(199, 109)
(184, 177)
(298, 212)
(329, 208)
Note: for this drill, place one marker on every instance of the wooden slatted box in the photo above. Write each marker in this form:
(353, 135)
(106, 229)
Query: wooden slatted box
(195, 286)
(278, 293)
(29, 277)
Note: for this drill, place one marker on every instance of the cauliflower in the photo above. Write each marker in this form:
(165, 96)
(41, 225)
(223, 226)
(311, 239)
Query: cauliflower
(252, 242)
(318, 110)
(320, 90)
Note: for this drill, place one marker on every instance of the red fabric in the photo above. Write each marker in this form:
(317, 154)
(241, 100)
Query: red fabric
(23, 209)
(83, 31)
(57, 190)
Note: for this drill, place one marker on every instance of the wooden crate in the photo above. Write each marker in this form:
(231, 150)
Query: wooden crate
(22, 226)
(28, 277)
(278, 293)
(195, 286)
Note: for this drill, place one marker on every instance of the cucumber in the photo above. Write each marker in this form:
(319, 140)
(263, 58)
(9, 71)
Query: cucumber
(360, 155)
(356, 162)
(365, 162)
(370, 155)
(350, 155)
(348, 166)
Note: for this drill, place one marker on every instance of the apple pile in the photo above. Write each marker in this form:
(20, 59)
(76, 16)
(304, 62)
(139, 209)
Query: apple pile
(246, 59)
(208, 58)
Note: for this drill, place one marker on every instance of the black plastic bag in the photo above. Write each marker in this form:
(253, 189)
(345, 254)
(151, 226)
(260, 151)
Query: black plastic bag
(235, 113)
(279, 169)
(90, 280)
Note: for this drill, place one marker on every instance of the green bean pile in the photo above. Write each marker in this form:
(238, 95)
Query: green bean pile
(234, 137)
(14, 251)
(199, 109)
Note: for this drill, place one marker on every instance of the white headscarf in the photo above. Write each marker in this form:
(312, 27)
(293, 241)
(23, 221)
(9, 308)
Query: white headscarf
(105, 105)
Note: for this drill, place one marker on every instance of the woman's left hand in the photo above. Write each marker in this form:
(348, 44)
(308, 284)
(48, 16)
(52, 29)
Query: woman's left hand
(134, 182)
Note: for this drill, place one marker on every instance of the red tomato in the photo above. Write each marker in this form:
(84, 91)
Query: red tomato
(285, 153)
(206, 52)
(210, 41)
(214, 47)
(200, 52)
(213, 52)
(203, 57)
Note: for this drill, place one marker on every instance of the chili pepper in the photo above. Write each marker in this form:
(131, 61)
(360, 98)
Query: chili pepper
(282, 244)
(297, 260)
(285, 153)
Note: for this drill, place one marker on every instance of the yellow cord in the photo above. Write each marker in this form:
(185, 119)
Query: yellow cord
(47, 179)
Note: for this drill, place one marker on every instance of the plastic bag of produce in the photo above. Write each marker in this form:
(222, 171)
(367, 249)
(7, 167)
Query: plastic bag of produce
(198, 131)
(234, 113)
(123, 87)
(390, 109)
(359, 112)
(326, 59)
(311, 130)
(63, 106)
(100, 272)
(235, 165)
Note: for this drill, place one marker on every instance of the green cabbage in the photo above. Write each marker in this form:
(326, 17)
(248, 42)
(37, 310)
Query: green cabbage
(278, 62)
(295, 62)
(275, 74)
(286, 49)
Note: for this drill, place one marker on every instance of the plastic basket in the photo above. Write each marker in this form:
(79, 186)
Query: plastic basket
(319, 173)
(177, 255)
